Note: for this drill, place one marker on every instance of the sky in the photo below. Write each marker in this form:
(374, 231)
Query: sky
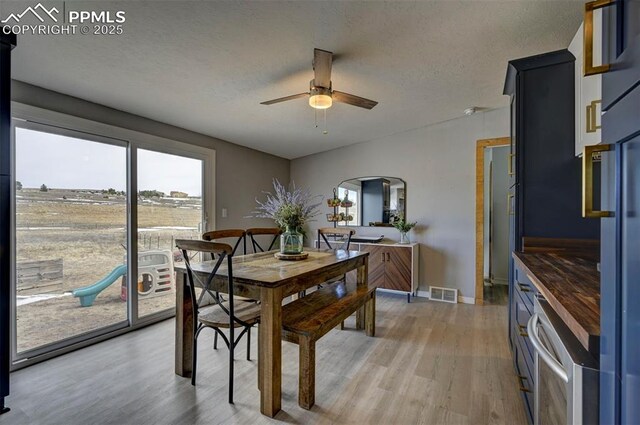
(71, 163)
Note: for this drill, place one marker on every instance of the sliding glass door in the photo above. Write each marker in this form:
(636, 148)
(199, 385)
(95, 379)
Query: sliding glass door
(70, 237)
(90, 257)
(169, 208)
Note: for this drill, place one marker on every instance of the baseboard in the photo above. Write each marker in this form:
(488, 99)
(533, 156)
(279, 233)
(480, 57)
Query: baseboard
(463, 300)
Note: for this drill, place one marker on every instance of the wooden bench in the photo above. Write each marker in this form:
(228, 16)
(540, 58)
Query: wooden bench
(307, 319)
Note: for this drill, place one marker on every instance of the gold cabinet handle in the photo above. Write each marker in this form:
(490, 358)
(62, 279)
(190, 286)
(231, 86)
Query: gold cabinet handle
(587, 181)
(522, 387)
(510, 167)
(591, 126)
(523, 331)
(509, 209)
(589, 7)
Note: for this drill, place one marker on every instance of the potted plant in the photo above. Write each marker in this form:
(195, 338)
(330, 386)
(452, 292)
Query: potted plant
(291, 210)
(404, 227)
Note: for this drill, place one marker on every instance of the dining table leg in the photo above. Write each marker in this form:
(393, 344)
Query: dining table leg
(362, 280)
(270, 351)
(184, 328)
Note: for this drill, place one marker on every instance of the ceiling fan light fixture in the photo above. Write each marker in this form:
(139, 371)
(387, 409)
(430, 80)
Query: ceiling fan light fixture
(320, 97)
(320, 101)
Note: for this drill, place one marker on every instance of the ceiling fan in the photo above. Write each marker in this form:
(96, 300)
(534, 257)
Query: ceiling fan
(320, 94)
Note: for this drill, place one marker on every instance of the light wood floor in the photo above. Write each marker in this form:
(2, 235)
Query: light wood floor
(430, 363)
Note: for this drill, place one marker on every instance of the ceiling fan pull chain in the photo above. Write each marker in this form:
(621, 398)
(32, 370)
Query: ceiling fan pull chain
(325, 123)
(315, 116)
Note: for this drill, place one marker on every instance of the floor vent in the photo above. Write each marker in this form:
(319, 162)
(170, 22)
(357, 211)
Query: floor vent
(443, 294)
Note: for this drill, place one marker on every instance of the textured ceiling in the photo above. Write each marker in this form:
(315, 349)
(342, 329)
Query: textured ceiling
(206, 66)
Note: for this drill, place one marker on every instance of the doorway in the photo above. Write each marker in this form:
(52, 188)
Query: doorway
(492, 221)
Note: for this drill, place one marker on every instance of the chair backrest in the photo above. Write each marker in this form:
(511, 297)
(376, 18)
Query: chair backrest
(216, 235)
(259, 231)
(323, 232)
(221, 251)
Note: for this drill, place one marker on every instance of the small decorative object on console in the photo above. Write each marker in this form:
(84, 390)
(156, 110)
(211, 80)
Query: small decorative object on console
(404, 227)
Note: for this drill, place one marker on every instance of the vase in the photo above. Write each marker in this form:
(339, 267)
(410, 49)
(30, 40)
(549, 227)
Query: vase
(404, 237)
(291, 242)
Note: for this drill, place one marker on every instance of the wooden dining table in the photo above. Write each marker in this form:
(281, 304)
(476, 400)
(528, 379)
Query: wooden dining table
(263, 277)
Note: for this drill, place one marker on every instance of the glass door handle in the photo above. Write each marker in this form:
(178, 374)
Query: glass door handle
(544, 354)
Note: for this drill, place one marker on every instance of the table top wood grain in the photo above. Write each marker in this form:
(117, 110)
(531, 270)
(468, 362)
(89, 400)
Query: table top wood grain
(570, 282)
(263, 269)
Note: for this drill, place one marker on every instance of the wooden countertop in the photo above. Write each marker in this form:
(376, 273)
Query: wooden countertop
(570, 282)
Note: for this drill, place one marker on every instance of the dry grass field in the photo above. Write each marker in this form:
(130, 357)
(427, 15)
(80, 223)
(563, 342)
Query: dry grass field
(87, 230)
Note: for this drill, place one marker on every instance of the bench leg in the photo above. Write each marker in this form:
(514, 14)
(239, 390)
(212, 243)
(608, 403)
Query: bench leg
(360, 318)
(307, 376)
(370, 316)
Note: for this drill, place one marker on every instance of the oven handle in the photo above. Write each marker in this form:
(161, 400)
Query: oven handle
(555, 365)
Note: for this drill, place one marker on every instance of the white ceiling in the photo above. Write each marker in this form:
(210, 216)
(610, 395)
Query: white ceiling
(206, 66)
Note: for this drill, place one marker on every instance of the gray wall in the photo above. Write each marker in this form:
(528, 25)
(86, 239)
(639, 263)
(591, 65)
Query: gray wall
(242, 174)
(438, 164)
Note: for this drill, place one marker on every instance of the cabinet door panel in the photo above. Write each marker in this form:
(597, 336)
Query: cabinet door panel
(629, 265)
(622, 45)
(376, 264)
(397, 269)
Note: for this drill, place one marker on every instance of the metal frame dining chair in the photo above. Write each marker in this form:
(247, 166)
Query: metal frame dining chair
(344, 244)
(216, 235)
(260, 231)
(230, 314)
(335, 231)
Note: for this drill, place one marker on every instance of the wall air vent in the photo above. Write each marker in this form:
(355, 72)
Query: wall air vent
(443, 294)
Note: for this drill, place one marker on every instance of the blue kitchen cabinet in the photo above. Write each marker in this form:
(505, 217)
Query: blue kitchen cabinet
(544, 194)
(620, 255)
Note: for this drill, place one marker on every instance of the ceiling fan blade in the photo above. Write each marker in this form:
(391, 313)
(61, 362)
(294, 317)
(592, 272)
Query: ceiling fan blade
(322, 60)
(284, 99)
(350, 99)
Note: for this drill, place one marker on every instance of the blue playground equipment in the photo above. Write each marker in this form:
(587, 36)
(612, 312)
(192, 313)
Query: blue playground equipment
(89, 293)
(155, 278)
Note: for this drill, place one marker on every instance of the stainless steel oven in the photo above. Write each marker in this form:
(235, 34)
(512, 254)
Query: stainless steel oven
(566, 374)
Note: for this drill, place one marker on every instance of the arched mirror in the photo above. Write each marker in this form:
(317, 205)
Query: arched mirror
(372, 201)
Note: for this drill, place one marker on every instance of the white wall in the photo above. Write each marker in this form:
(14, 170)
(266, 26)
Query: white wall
(241, 174)
(438, 164)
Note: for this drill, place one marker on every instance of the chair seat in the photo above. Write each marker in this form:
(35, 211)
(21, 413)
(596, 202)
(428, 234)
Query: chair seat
(214, 316)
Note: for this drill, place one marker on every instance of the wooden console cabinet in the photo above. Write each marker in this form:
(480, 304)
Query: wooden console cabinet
(392, 266)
